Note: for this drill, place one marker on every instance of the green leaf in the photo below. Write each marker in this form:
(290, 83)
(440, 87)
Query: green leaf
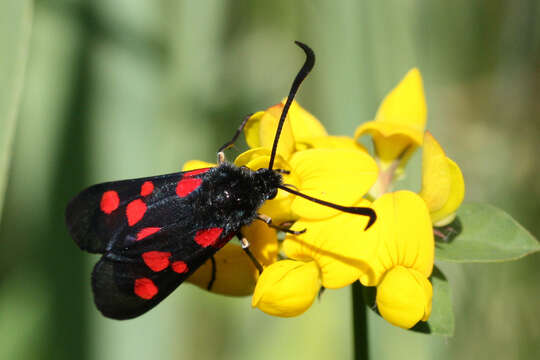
(15, 26)
(441, 320)
(483, 233)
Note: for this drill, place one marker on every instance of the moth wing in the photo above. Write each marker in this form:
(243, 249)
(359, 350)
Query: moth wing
(103, 214)
(128, 284)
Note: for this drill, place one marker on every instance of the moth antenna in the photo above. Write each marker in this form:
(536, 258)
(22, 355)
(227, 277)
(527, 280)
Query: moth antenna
(365, 211)
(302, 74)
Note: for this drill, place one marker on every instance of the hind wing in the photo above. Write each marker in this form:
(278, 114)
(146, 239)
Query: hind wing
(128, 283)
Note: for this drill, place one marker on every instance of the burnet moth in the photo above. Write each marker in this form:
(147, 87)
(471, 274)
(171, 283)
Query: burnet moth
(154, 232)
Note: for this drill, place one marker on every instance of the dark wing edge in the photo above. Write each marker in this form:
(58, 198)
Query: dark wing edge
(80, 217)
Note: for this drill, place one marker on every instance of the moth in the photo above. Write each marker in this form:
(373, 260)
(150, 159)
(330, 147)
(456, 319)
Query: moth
(154, 232)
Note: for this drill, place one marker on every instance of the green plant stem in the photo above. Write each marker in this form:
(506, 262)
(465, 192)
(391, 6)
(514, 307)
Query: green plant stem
(361, 351)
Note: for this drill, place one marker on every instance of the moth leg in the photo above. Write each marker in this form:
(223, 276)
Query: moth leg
(228, 144)
(213, 278)
(245, 246)
(268, 221)
(220, 157)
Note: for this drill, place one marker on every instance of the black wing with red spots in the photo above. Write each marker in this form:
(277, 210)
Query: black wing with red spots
(105, 216)
(126, 284)
(149, 235)
(154, 232)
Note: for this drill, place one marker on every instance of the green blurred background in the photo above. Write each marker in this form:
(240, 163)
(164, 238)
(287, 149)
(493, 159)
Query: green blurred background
(121, 89)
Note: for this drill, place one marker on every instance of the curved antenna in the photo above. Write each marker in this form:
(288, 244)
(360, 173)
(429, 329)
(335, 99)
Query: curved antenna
(302, 74)
(366, 211)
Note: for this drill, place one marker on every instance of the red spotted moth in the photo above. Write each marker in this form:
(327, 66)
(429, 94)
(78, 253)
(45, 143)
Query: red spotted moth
(154, 232)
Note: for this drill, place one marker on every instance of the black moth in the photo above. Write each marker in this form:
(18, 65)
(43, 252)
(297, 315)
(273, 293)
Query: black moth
(155, 232)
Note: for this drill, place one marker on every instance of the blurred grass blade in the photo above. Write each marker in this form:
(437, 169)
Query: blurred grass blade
(484, 233)
(15, 27)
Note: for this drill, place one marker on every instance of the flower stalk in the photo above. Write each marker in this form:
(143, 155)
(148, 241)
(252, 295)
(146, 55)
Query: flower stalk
(360, 331)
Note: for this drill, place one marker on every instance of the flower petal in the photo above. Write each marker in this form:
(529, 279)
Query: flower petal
(435, 174)
(338, 176)
(335, 244)
(252, 130)
(329, 142)
(446, 214)
(404, 297)
(261, 127)
(287, 288)
(196, 164)
(304, 125)
(398, 127)
(235, 273)
(263, 242)
(401, 235)
(443, 187)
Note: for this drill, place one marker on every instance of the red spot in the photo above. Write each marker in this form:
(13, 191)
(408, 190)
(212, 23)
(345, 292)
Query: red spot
(135, 211)
(147, 231)
(109, 201)
(196, 172)
(145, 288)
(208, 237)
(147, 188)
(156, 260)
(187, 185)
(180, 267)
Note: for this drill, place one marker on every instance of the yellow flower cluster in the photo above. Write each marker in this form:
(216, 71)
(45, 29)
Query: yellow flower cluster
(396, 254)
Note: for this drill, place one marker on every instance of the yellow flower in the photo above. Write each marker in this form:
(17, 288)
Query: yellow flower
(443, 187)
(340, 176)
(235, 273)
(287, 288)
(331, 168)
(335, 244)
(399, 249)
(196, 164)
(303, 123)
(398, 128)
(396, 254)
(317, 257)
(261, 127)
(404, 297)
(329, 142)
